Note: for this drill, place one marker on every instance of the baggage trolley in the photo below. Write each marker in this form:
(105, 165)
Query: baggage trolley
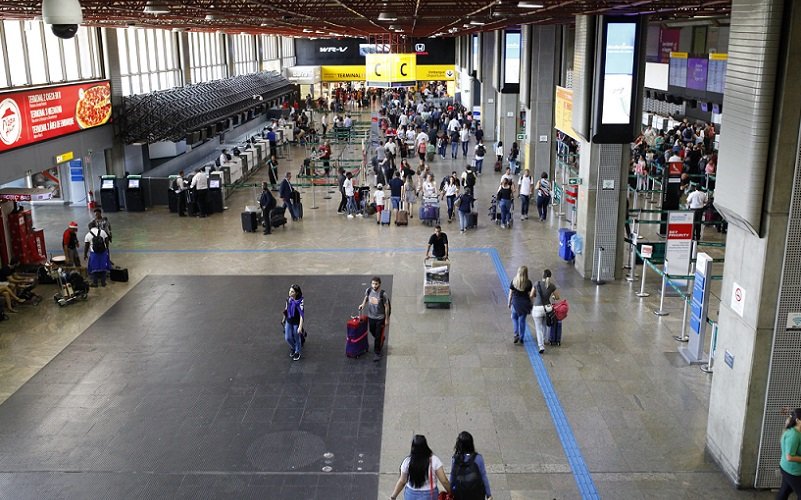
(69, 289)
(436, 284)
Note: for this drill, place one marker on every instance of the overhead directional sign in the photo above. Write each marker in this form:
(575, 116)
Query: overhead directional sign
(391, 68)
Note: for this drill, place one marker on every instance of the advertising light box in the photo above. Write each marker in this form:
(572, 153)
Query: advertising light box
(36, 115)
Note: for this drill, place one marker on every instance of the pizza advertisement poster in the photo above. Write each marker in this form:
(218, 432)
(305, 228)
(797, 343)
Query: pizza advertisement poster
(36, 115)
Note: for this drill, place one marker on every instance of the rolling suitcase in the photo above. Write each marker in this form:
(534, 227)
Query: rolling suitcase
(472, 220)
(498, 165)
(299, 210)
(118, 274)
(277, 217)
(402, 219)
(555, 334)
(385, 216)
(357, 342)
(250, 221)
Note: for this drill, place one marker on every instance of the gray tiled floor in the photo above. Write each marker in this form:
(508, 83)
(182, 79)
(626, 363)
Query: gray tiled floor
(637, 412)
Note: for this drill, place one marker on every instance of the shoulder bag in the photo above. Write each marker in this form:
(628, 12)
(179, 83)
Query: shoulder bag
(550, 317)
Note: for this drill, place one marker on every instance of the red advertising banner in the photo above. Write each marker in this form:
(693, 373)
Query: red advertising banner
(668, 42)
(37, 115)
(680, 231)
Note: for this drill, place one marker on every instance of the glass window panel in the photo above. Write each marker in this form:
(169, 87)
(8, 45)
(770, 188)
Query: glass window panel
(125, 85)
(16, 56)
(71, 59)
(161, 50)
(135, 86)
(134, 60)
(122, 46)
(53, 52)
(84, 52)
(201, 61)
(151, 49)
(163, 85)
(142, 51)
(145, 84)
(36, 57)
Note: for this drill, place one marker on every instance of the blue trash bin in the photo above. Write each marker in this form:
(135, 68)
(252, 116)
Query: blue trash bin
(565, 251)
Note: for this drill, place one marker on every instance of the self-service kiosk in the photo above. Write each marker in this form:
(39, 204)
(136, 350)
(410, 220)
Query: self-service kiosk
(216, 201)
(134, 196)
(109, 199)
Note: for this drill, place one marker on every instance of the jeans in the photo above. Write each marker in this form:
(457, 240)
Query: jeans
(790, 483)
(351, 205)
(450, 200)
(292, 336)
(291, 206)
(396, 201)
(454, 149)
(524, 201)
(479, 164)
(442, 150)
(542, 206)
(519, 323)
(99, 275)
(462, 220)
(515, 166)
(506, 211)
(464, 147)
(342, 202)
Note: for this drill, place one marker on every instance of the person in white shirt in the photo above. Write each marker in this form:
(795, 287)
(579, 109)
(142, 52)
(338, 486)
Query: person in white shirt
(464, 137)
(525, 185)
(95, 253)
(499, 152)
(697, 201)
(224, 157)
(201, 186)
(349, 194)
(453, 125)
(348, 123)
(378, 198)
(417, 471)
(403, 120)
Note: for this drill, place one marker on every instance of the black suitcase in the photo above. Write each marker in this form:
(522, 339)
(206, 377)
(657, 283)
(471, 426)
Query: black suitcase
(472, 220)
(277, 217)
(119, 274)
(299, 210)
(555, 334)
(250, 221)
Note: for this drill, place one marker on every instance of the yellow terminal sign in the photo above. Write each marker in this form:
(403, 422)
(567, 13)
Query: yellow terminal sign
(65, 157)
(391, 67)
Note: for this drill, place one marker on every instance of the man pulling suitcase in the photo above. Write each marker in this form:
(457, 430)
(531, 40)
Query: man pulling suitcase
(267, 203)
(378, 311)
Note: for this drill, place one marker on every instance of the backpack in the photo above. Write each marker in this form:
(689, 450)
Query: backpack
(481, 151)
(98, 243)
(470, 180)
(467, 479)
(174, 184)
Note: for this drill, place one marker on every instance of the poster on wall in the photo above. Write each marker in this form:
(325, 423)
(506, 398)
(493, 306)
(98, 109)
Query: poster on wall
(678, 248)
(696, 73)
(668, 42)
(37, 115)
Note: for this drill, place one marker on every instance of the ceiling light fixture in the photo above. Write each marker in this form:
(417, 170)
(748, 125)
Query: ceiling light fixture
(307, 30)
(387, 16)
(156, 7)
(529, 5)
(477, 23)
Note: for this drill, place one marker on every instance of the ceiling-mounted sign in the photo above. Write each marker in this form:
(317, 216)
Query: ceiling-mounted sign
(429, 72)
(400, 69)
(37, 115)
(349, 73)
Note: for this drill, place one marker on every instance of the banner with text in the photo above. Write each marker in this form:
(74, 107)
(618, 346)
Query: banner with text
(391, 68)
(429, 72)
(563, 112)
(351, 73)
(36, 115)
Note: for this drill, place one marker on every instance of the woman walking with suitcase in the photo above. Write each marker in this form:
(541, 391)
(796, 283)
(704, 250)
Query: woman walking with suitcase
(544, 291)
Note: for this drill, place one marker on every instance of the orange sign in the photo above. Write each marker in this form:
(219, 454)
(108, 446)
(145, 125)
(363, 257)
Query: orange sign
(563, 111)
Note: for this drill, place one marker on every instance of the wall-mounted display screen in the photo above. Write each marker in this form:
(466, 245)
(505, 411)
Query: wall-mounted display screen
(511, 57)
(133, 183)
(618, 73)
(476, 49)
(716, 73)
(678, 69)
(696, 73)
(107, 184)
(656, 75)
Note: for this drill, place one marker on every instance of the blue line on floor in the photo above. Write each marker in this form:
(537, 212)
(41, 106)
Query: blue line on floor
(580, 472)
(571, 449)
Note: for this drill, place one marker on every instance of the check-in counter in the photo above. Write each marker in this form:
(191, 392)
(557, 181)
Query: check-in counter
(289, 133)
(248, 161)
(236, 169)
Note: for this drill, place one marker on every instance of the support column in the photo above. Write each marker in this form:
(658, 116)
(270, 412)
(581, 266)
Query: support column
(115, 157)
(758, 351)
(541, 54)
(489, 100)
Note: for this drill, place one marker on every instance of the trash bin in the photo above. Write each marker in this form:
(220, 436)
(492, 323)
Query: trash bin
(565, 251)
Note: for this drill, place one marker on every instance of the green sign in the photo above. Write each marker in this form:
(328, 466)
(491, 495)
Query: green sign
(521, 137)
(574, 181)
(557, 193)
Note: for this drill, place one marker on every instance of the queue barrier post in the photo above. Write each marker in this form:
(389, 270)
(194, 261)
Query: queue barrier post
(661, 311)
(632, 276)
(683, 337)
(709, 367)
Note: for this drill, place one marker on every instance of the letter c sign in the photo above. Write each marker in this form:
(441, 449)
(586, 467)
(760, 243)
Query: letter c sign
(403, 70)
(377, 66)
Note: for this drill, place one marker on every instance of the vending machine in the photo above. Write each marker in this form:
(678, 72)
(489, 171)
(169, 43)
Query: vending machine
(108, 194)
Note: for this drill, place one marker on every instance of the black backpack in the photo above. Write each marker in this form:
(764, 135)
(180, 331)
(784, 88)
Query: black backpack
(470, 179)
(481, 151)
(98, 243)
(467, 479)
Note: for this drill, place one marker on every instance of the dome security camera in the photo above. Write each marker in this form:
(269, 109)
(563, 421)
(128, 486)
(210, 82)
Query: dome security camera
(64, 16)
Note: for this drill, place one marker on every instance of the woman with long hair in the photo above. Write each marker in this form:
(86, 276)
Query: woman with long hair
(293, 321)
(521, 294)
(468, 472)
(544, 291)
(418, 472)
(790, 463)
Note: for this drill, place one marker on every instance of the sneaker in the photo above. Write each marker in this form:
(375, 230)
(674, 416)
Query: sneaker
(359, 215)
(341, 212)
(291, 353)
(296, 356)
(521, 340)
(461, 230)
(522, 217)
(517, 339)
(542, 350)
(378, 356)
(350, 216)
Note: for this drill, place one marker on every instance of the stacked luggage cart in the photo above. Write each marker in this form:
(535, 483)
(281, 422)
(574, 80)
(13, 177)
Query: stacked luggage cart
(436, 283)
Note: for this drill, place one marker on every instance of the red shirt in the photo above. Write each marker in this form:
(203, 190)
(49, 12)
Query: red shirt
(69, 239)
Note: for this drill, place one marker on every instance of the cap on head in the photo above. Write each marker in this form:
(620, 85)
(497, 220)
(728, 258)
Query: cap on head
(73, 225)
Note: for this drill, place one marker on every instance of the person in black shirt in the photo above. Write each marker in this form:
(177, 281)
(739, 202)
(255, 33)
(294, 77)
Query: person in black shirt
(396, 189)
(439, 242)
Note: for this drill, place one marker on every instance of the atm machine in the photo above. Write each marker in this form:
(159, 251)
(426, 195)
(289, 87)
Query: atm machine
(216, 201)
(109, 199)
(134, 196)
(172, 196)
